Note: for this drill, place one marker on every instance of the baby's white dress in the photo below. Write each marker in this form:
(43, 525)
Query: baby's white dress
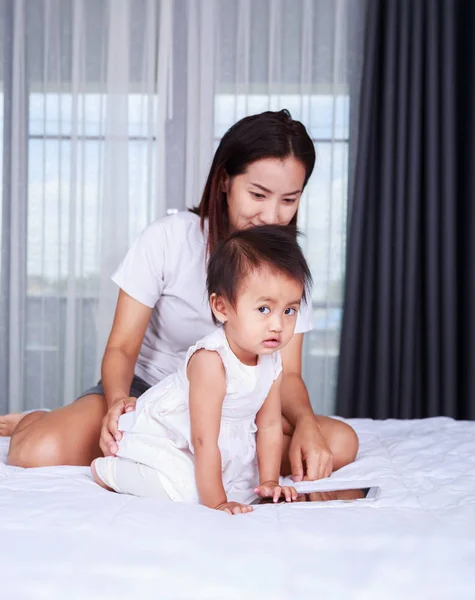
(158, 433)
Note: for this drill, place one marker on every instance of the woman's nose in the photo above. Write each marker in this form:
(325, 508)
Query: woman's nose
(270, 215)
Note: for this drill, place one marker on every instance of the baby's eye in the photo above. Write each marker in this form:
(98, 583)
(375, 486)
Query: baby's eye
(265, 310)
(290, 311)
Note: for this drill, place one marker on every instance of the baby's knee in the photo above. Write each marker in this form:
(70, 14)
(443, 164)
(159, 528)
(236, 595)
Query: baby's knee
(344, 445)
(96, 476)
(29, 451)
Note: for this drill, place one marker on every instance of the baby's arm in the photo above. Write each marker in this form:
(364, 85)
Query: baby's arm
(270, 445)
(269, 435)
(207, 390)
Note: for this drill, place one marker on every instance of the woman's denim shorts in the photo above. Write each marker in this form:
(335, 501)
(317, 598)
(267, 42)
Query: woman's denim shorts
(137, 388)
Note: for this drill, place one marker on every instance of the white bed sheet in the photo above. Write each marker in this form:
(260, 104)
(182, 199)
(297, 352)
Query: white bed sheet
(62, 537)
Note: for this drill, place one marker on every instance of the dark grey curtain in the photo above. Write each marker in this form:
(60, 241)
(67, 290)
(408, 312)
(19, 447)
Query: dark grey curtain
(408, 337)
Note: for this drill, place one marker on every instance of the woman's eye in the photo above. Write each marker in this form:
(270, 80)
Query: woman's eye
(290, 200)
(265, 310)
(290, 311)
(258, 196)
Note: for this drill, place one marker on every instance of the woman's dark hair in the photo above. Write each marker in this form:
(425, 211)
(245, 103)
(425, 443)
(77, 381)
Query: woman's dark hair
(246, 250)
(267, 135)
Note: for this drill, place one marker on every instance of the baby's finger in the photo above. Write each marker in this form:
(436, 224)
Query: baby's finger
(294, 494)
(268, 492)
(277, 493)
(287, 494)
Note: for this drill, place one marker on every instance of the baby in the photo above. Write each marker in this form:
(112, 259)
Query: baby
(211, 433)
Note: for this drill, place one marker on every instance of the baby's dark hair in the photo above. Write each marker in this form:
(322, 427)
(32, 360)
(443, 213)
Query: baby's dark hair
(246, 250)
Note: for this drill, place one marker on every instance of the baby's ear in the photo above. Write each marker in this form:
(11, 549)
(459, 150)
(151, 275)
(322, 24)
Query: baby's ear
(219, 308)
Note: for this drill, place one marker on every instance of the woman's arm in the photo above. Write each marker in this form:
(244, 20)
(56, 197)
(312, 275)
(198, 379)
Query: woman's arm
(128, 330)
(269, 435)
(126, 337)
(207, 391)
(308, 444)
(294, 396)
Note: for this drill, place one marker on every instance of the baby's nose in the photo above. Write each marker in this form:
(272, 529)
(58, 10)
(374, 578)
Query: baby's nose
(276, 324)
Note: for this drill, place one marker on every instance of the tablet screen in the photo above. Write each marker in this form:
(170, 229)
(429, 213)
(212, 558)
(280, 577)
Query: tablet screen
(345, 495)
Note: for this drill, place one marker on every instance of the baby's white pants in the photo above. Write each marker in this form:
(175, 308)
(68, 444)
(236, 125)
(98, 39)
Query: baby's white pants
(128, 477)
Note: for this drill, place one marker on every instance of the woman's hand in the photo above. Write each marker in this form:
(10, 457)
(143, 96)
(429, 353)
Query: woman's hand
(234, 508)
(309, 446)
(110, 434)
(272, 489)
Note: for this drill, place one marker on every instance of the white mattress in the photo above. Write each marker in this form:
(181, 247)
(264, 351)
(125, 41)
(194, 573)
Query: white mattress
(62, 537)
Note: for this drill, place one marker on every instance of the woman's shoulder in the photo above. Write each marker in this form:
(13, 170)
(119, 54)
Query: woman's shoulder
(183, 220)
(185, 217)
(169, 231)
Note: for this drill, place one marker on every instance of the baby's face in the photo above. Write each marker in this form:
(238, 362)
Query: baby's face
(265, 314)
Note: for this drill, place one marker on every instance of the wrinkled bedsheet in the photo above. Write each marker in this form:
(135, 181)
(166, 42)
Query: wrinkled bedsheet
(62, 537)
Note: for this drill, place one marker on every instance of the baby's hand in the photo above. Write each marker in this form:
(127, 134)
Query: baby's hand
(272, 489)
(234, 508)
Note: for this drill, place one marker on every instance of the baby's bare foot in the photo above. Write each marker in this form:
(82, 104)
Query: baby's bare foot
(8, 423)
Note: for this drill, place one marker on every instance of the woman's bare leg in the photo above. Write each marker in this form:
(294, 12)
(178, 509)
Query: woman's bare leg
(65, 436)
(9, 422)
(340, 437)
(28, 419)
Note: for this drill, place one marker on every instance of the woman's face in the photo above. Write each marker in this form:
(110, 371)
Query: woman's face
(268, 193)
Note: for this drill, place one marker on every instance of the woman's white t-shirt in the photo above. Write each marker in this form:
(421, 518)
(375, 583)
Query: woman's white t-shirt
(165, 269)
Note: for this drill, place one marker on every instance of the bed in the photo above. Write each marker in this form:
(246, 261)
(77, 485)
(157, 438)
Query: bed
(61, 536)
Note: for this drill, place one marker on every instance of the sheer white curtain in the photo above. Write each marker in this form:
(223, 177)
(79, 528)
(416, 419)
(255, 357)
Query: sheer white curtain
(111, 111)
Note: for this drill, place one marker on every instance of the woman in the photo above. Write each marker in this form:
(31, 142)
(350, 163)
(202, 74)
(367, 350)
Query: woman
(257, 177)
